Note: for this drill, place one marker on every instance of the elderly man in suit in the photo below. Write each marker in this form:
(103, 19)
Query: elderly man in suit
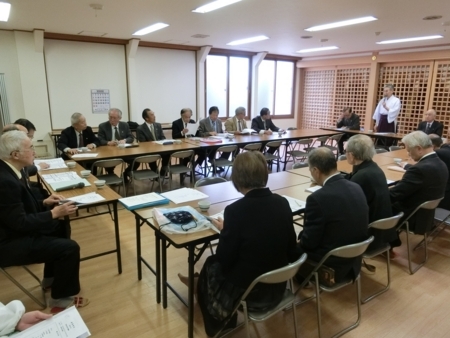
(424, 181)
(350, 121)
(263, 124)
(78, 135)
(335, 215)
(114, 132)
(236, 124)
(443, 152)
(152, 131)
(179, 127)
(30, 230)
(430, 125)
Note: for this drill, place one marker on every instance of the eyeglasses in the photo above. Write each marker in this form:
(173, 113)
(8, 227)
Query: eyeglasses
(30, 136)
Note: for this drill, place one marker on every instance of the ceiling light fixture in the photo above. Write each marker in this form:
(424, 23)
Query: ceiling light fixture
(420, 38)
(247, 40)
(150, 29)
(319, 49)
(214, 5)
(341, 24)
(4, 11)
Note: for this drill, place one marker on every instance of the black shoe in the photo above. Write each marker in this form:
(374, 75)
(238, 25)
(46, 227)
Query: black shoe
(126, 177)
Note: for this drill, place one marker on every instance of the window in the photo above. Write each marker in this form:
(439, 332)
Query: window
(227, 83)
(275, 86)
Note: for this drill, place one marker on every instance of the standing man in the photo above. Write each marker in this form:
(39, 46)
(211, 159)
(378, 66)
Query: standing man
(114, 132)
(78, 135)
(430, 125)
(236, 124)
(152, 131)
(386, 113)
(179, 127)
(263, 124)
(350, 121)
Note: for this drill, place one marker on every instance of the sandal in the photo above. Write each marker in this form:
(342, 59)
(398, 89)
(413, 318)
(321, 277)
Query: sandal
(77, 302)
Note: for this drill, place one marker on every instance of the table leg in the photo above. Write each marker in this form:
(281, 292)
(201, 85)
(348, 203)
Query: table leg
(158, 267)
(116, 228)
(138, 247)
(191, 262)
(285, 154)
(164, 271)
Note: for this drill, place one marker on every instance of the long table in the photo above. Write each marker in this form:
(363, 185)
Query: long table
(394, 136)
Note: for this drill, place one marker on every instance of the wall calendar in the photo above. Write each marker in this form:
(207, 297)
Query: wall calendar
(100, 100)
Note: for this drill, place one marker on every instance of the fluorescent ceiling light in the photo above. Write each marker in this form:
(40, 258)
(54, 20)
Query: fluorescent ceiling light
(152, 28)
(341, 24)
(319, 49)
(248, 40)
(420, 38)
(214, 5)
(4, 11)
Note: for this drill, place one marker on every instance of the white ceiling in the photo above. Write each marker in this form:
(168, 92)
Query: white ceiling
(283, 21)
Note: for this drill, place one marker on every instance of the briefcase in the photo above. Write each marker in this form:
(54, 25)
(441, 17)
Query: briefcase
(326, 274)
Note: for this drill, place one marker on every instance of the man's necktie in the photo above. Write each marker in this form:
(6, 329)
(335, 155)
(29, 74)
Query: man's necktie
(239, 125)
(80, 140)
(265, 128)
(427, 129)
(152, 130)
(116, 134)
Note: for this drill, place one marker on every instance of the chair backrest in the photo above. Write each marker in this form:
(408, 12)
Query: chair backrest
(392, 148)
(182, 154)
(227, 149)
(342, 157)
(300, 165)
(209, 180)
(347, 251)
(274, 144)
(306, 141)
(386, 223)
(147, 159)
(322, 139)
(335, 137)
(292, 128)
(108, 163)
(380, 150)
(253, 147)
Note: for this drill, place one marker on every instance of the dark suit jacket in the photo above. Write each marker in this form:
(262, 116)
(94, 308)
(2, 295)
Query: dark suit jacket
(20, 213)
(424, 181)
(252, 243)
(436, 127)
(335, 215)
(144, 135)
(352, 123)
(105, 132)
(444, 154)
(69, 139)
(372, 180)
(258, 124)
(177, 128)
(204, 127)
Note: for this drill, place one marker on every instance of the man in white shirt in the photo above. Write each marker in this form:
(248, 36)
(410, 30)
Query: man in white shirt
(386, 113)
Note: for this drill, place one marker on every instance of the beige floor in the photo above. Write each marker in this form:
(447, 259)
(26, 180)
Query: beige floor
(122, 306)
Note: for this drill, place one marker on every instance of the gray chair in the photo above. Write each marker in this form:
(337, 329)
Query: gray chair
(392, 148)
(348, 251)
(342, 157)
(380, 150)
(42, 304)
(333, 143)
(321, 140)
(382, 224)
(180, 168)
(146, 174)
(224, 162)
(111, 179)
(429, 205)
(300, 165)
(298, 150)
(275, 156)
(281, 275)
(442, 218)
(252, 147)
(209, 180)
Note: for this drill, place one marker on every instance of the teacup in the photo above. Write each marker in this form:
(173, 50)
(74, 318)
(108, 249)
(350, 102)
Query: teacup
(85, 173)
(204, 205)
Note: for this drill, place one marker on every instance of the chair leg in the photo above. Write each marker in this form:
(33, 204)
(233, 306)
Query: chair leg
(376, 294)
(408, 245)
(294, 310)
(247, 329)
(319, 317)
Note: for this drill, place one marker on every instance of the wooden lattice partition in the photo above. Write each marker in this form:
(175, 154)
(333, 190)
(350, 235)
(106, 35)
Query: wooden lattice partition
(351, 89)
(440, 98)
(318, 98)
(411, 84)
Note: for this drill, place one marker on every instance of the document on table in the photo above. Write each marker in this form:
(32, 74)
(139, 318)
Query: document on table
(395, 168)
(193, 127)
(60, 180)
(247, 131)
(294, 203)
(184, 195)
(85, 155)
(142, 201)
(216, 216)
(66, 324)
(88, 198)
(313, 189)
(390, 182)
(54, 163)
(162, 142)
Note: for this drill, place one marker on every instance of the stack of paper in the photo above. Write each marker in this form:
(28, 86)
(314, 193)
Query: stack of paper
(313, 189)
(143, 201)
(248, 131)
(60, 180)
(88, 198)
(54, 163)
(295, 204)
(184, 195)
(395, 168)
(85, 155)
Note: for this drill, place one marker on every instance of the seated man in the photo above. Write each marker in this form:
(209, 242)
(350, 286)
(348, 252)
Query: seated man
(152, 131)
(179, 129)
(335, 215)
(430, 125)
(263, 124)
(348, 121)
(114, 132)
(424, 181)
(236, 124)
(30, 230)
(78, 135)
(443, 152)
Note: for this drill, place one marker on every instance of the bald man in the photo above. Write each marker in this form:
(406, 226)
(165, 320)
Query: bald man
(430, 125)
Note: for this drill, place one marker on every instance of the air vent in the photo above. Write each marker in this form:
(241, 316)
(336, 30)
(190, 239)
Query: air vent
(306, 37)
(200, 36)
(432, 17)
(89, 33)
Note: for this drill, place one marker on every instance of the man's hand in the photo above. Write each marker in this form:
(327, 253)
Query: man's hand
(112, 143)
(121, 142)
(374, 129)
(72, 151)
(44, 165)
(385, 106)
(64, 210)
(185, 130)
(31, 318)
(218, 223)
(91, 146)
(212, 133)
(268, 132)
(53, 199)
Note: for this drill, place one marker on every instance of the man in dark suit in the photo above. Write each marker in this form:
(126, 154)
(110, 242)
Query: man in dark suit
(152, 131)
(424, 181)
(77, 136)
(443, 152)
(179, 129)
(263, 124)
(335, 215)
(430, 125)
(350, 121)
(114, 132)
(30, 230)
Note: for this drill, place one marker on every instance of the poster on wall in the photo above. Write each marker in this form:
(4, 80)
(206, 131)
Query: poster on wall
(100, 100)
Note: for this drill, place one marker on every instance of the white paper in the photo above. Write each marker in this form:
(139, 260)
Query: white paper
(91, 197)
(161, 142)
(54, 163)
(58, 185)
(85, 155)
(184, 195)
(247, 131)
(395, 168)
(61, 177)
(294, 203)
(390, 182)
(66, 324)
(313, 189)
(193, 127)
(141, 199)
